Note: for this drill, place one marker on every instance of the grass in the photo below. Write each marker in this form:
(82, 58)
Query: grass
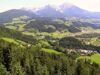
(83, 57)
(43, 33)
(10, 40)
(86, 28)
(21, 27)
(45, 43)
(14, 27)
(29, 33)
(54, 34)
(16, 24)
(51, 51)
(11, 27)
(58, 34)
(96, 42)
(94, 58)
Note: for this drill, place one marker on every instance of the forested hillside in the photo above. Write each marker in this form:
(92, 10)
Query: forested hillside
(43, 57)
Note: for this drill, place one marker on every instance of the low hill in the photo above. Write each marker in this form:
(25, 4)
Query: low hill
(5, 32)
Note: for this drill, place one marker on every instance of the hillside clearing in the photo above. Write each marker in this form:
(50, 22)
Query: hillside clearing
(51, 51)
(94, 58)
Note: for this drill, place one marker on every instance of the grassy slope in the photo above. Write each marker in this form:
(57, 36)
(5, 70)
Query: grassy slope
(17, 42)
(54, 34)
(51, 51)
(20, 27)
(94, 58)
(96, 42)
(29, 33)
(11, 27)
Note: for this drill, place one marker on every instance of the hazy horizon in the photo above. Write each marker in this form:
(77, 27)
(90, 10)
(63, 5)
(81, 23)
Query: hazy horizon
(90, 5)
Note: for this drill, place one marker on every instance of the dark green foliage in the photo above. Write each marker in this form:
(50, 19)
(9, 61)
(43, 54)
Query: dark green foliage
(7, 58)
(3, 70)
(47, 25)
(4, 32)
(70, 42)
(33, 61)
(73, 43)
(73, 29)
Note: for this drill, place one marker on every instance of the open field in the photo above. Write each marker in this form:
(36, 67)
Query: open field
(11, 40)
(51, 51)
(94, 58)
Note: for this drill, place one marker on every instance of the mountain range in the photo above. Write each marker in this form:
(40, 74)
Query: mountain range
(63, 11)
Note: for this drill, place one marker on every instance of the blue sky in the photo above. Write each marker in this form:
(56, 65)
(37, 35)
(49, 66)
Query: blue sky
(91, 5)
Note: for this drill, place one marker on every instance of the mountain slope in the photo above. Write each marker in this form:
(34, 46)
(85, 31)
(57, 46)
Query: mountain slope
(73, 11)
(62, 11)
(10, 14)
(66, 10)
(49, 11)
